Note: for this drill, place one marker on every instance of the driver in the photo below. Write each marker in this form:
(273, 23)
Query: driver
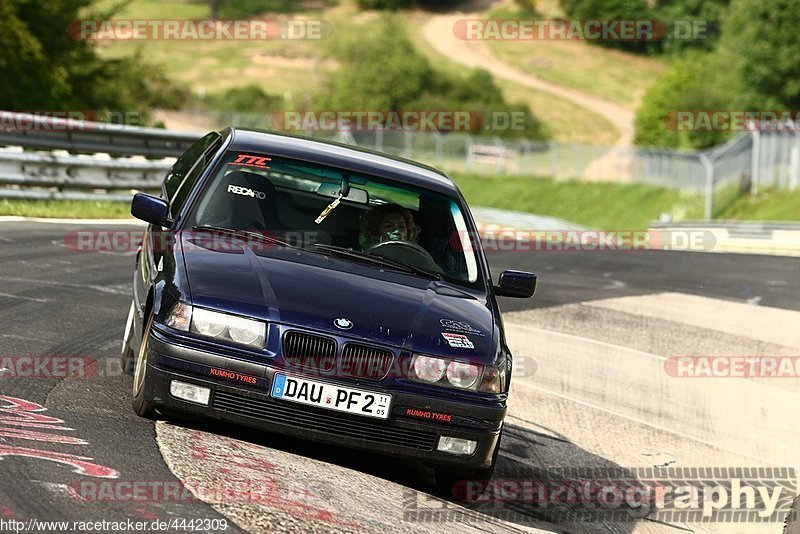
(390, 222)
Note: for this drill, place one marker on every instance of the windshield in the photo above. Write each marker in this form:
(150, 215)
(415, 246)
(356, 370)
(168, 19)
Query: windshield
(303, 204)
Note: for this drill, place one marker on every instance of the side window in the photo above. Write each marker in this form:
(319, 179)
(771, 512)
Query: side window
(186, 170)
(187, 185)
(184, 164)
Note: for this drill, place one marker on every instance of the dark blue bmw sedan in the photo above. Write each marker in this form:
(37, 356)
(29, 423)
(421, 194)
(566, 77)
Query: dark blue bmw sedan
(325, 292)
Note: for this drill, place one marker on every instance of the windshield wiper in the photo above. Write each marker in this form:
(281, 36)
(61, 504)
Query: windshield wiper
(244, 233)
(378, 260)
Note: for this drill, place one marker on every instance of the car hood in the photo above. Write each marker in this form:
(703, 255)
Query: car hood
(309, 290)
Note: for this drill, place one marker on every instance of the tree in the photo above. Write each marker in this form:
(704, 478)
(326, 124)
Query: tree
(708, 12)
(215, 9)
(43, 67)
(380, 69)
(762, 40)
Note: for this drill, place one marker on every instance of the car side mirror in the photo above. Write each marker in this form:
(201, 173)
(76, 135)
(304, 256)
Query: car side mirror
(517, 284)
(151, 209)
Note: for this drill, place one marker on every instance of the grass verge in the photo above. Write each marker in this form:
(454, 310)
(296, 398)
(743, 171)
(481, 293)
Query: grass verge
(65, 209)
(610, 206)
(769, 205)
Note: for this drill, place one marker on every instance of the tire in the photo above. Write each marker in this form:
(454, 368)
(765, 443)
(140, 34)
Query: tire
(466, 487)
(127, 357)
(141, 404)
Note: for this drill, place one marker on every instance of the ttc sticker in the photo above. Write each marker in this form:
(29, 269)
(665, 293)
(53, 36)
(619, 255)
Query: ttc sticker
(249, 160)
(458, 341)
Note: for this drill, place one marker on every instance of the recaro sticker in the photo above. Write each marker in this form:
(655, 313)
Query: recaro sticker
(246, 192)
(249, 160)
(458, 341)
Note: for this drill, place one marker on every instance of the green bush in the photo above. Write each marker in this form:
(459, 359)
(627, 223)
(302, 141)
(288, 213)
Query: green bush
(667, 12)
(238, 9)
(695, 83)
(249, 98)
(582, 10)
(380, 70)
(384, 4)
(526, 6)
(408, 4)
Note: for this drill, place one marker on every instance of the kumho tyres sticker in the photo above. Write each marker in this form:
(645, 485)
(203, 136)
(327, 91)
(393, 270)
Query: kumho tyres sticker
(249, 160)
(458, 341)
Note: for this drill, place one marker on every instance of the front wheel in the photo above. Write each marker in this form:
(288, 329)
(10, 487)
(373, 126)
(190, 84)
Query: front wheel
(467, 487)
(127, 355)
(141, 405)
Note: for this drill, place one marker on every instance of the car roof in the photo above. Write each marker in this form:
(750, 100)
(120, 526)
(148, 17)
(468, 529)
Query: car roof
(342, 156)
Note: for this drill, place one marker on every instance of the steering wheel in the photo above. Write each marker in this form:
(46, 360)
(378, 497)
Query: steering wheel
(406, 252)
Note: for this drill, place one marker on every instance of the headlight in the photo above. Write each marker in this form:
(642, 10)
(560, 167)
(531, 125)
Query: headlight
(463, 375)
(207, 323)
(451, 373)
(246, 331)
(428, 369)
(216, 325)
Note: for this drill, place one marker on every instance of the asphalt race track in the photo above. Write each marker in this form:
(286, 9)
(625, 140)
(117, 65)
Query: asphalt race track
(592, 389)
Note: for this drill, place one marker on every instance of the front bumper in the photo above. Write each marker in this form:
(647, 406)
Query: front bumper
(251, 405)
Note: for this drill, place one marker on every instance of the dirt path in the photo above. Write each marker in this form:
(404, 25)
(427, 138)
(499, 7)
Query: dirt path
(438, 32)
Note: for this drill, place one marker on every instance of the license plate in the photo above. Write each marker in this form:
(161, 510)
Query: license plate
(332, 397)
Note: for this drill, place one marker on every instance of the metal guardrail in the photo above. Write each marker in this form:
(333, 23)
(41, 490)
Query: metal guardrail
(76, 172)
(104, 172)
(33, 131)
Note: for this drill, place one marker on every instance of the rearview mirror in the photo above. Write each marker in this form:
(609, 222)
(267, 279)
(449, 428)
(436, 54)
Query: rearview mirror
(150, 209)
(354, 194)
(517, 284)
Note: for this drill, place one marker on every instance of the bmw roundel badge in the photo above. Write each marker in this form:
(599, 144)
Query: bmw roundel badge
(344, 324)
